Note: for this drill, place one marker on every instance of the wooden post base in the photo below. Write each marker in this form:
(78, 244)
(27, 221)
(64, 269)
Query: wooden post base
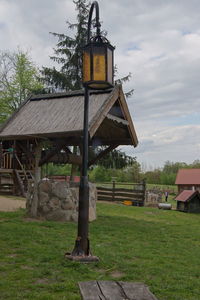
(83, 258)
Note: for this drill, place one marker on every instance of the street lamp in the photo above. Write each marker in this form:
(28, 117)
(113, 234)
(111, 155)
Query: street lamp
(98, 75)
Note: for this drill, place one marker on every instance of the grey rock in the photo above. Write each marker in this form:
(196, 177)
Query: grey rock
(43, 198)
(68, 205)
(59, 215)
(45, 186)
(60, 189)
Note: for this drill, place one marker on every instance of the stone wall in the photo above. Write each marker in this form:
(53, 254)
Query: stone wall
(58, 201)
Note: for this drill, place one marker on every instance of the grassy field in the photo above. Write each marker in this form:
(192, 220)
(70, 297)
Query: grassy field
(156, 247)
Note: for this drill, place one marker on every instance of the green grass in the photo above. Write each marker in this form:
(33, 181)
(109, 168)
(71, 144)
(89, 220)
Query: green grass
(157, 247)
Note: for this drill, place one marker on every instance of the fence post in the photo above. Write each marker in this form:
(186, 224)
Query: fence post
(113, 190)
(144, 189)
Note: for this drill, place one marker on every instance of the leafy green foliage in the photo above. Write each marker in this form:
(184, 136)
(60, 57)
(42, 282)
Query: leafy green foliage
(167, 175)
(127, 174)
(53, 169)
(18, 79)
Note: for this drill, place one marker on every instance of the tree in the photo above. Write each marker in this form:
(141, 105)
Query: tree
(68, 54)
(18, 79)
(116, 159)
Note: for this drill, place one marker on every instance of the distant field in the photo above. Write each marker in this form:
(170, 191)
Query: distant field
(138, 244)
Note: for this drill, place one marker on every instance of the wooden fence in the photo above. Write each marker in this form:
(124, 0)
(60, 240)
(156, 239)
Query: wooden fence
(135, 193)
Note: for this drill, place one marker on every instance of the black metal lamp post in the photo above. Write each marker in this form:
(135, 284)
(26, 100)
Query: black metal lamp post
(97, 74)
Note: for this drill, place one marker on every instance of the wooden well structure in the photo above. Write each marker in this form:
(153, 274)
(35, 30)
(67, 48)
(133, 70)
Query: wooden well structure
(56, 120)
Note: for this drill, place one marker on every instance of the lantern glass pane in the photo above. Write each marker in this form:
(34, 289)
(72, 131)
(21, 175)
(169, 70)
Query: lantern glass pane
(110, 66)
(86, 66)
(99, 64)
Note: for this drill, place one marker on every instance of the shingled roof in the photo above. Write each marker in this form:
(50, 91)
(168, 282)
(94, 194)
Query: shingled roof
(186, 195)
(188, 177)
(61, 115)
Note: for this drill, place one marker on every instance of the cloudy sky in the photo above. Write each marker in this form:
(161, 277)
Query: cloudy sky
(158, 41)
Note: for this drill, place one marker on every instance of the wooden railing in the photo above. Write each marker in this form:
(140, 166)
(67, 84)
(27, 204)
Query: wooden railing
(7, 160)
(135, 193)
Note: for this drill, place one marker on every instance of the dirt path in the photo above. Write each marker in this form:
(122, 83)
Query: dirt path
(8, 204)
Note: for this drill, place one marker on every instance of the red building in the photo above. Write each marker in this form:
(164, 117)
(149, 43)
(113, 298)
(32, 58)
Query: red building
(188, 179)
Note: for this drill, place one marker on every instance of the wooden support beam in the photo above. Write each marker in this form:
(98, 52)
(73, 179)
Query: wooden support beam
(51, 153)
(110, 141)
(25, 150)
(117, 119)
(102, 154)
(37, 177)
(62, 158)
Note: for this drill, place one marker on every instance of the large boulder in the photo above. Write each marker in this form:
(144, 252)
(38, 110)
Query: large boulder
(58, 201)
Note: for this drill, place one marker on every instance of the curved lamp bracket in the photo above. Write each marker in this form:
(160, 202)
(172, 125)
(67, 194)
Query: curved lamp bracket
(97, 23)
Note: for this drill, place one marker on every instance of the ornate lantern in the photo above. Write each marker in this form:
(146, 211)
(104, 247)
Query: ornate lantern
(98, 66)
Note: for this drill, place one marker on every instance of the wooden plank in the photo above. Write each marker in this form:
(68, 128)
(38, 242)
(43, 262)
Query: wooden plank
(90, 290)
(111, 290)
(105, 192)
(128, 190)
(119, 198)
(19, 182)
(124, 183)
(136, 291)
(120, 190)
(122, 195)
(104, 189)
(101, 198)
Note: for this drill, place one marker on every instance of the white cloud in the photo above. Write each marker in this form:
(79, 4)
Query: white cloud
(157, 41)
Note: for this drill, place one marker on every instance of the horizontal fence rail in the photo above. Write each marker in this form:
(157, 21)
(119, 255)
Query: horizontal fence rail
(136, 194)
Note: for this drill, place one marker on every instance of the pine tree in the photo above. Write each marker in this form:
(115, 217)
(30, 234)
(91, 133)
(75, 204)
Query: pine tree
(68, 56)
(68, 53)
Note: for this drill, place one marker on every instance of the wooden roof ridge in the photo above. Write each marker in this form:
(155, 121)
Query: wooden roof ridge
(67, 94)
(116, 95)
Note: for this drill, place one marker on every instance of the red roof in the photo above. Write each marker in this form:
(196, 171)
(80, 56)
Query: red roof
(186, 195)
(188, 176)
